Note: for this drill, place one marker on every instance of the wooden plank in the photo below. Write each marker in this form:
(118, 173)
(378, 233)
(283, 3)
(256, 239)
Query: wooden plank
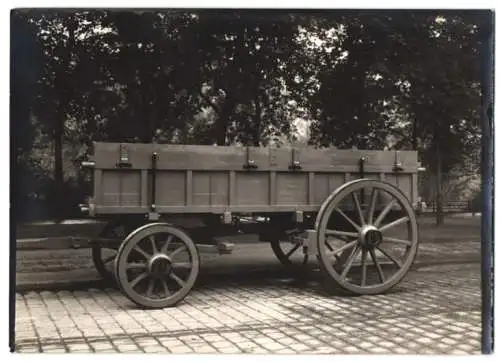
(291, 188)
(189, 187)
(170, 187)
(272, 188)
(98, 189)
(232, 188)
(310, 185)
(219, 188)
(144, 187)
(414, 188)
(252, 188)
(184, 157)
(203, 209)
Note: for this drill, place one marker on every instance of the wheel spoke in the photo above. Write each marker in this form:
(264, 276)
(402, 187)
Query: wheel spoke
(108, 259)
(397, 241)
(394, 223)
(349, 262)
(177, 279)
(340, 233)
(177, 251)
(142, 252)
(384, 212)
(137, 279)
(356, 226)
(167, 243)
(398, 264)
(151, 285)
(153, 244)
(345, 247)
(373, 203)
(358, 208)
(292, 250)
(166, 291)
(377, 265)
(182, 265)
(136, 266)
(363, 268)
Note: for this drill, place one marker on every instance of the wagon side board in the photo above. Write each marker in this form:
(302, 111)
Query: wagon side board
(211, 179)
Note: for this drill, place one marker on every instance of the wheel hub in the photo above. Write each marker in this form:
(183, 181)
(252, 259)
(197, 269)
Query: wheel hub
(370, 237)
(159, 265)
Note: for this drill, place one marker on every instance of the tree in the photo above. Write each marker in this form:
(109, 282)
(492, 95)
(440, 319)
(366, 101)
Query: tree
(414, 76)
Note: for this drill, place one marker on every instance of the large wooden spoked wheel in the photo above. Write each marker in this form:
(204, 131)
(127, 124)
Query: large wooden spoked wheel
(157, 265)
(382, 240)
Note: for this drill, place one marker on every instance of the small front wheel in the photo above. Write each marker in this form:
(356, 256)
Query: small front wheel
(157, 265)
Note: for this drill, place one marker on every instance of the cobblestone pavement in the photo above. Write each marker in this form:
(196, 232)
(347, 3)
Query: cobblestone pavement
(436, 310)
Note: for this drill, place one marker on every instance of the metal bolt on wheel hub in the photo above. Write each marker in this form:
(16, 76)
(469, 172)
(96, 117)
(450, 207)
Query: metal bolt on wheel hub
(370, 237)
(159, 265)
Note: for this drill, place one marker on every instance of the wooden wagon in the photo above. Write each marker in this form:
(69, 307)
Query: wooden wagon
(351, 209)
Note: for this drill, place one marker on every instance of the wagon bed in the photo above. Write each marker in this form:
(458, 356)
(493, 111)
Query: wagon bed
(140, 178)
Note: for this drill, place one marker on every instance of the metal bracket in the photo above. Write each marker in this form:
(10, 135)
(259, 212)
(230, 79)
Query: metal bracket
(153, 216)
(250, 164)
(295, 164)
(298, 216)
(87, 164)
(310, 240)
(362, 162)
(227, 217)
(397, 165)
(154, 162)
(124, 161)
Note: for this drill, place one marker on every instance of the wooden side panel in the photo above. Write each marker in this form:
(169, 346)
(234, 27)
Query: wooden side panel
(325, 184)
(111, 188)
(252, 188)
(201, 188)
(291, 188)
(210, 188)
(219, 188)
(202, 179)
(170, 187)
(122, 188)
(403, 182)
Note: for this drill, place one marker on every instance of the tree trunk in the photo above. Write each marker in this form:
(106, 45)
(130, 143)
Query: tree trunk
(439, 202)
(59, 194)
(414, 137)
(222, 122)
(58, 168)
(258, 122)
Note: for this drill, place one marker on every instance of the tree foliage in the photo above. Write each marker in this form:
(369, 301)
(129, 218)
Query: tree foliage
(365, 79)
